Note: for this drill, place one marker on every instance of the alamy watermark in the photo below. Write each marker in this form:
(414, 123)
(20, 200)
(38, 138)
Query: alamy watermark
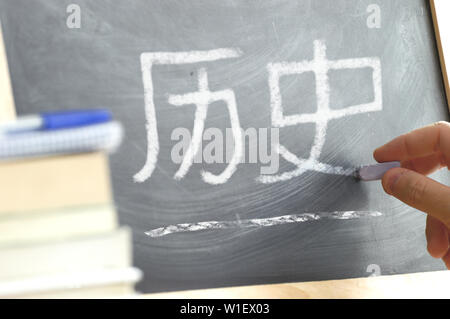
(374, 270)
(73, 20)
(258, 146)
(374, 18)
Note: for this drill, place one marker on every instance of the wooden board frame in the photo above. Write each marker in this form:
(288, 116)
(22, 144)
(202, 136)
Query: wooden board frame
(411, 286)
(440, 48)
(7, 106)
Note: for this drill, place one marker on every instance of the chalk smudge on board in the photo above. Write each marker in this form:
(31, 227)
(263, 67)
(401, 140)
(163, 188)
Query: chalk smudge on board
(259, 223)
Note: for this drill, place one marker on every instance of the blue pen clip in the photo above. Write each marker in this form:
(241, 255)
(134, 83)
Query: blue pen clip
(67, 119)
(56, 121)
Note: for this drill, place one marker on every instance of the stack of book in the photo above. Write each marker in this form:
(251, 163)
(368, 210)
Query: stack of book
(59, 232)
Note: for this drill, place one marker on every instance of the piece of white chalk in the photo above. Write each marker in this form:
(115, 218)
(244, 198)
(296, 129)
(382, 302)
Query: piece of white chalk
(374, 172)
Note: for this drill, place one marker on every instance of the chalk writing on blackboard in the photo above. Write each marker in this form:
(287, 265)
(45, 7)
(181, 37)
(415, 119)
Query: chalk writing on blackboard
(203, 97)
(258, 223)
(320, 66)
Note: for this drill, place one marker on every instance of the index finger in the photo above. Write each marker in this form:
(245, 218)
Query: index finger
(418, 143)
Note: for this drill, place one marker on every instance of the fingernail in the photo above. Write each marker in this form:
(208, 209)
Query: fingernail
(392, 180)
(375, 153)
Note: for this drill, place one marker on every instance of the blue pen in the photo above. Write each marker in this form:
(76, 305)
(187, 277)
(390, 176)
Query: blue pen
(56, 120)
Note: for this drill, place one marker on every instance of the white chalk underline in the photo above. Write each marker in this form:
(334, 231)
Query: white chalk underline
(258, 223)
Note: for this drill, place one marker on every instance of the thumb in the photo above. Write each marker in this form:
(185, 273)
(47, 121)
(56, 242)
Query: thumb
(420, 192)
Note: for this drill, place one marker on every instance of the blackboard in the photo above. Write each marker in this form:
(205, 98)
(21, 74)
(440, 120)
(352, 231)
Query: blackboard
(326, 77)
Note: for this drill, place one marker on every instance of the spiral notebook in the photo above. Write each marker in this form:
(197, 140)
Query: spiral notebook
(100, 137)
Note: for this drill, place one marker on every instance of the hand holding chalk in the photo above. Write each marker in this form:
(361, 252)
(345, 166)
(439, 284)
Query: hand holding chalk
(422, 152)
